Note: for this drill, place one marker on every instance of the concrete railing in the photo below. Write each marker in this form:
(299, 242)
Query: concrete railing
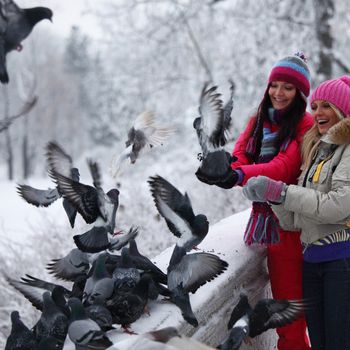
(212, 303)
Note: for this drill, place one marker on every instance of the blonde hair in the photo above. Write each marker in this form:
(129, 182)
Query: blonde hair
(312, 138)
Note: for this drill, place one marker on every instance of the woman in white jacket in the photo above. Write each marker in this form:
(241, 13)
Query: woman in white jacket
(319, 206)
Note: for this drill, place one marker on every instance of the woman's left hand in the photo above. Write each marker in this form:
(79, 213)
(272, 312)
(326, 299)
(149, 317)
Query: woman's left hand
(264, 189)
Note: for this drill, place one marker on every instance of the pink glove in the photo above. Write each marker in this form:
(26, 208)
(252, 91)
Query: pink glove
(264, 189)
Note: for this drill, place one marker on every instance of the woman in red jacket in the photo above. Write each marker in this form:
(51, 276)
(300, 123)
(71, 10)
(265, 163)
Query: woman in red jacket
(270, 146)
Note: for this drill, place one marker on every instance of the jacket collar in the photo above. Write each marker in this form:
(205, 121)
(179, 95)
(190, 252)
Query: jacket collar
(338, 134)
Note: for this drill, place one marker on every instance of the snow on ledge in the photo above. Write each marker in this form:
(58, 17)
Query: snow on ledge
(212, 303)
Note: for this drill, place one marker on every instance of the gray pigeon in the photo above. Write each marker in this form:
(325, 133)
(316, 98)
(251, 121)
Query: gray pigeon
(83, 331)
(177, 211)
(127, 307)
(186, 273)
(43, 198)
(142, 136)
(52, 322)
(94, 205)
(267, 314)
(99, 286)
(20, 338)
(74, 264)
(15, 25)
(212, 127)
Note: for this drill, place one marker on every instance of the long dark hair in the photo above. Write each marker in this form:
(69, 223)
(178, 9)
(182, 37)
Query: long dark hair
(288, 124)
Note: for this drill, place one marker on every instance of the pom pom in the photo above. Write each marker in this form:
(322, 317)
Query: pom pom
(301, 55)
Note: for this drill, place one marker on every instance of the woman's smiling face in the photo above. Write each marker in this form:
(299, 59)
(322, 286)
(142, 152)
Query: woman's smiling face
(281, 94)
(324, 115)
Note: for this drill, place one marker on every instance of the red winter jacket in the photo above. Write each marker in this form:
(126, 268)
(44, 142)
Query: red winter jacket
(285, 166)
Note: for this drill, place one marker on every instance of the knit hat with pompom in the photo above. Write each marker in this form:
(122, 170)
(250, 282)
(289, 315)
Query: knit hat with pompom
(336, 92)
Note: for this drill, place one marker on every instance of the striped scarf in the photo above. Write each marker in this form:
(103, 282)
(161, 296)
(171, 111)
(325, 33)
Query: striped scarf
(263, 227)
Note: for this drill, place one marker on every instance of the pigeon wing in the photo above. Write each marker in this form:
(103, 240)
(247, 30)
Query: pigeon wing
(75, 263)
(211, 113)
(280, 312)
(194, 270)
(173, 206)
(58, 160)
(239, 310)
(39, 198)
(31, 293)
(83, 197)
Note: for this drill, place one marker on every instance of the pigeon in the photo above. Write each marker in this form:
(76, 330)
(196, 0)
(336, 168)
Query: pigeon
(20, 338)
(212, 127)
(15, 25)
(268, 313)
(94, 205)
(101, 315)
(83, 331)
(44, 198)
(177, 211)
(52, 322)
(141, 262)
(99, 286)
(74, 264)
(127, 307)
(142, 136)
(33, 288)
(186, 273)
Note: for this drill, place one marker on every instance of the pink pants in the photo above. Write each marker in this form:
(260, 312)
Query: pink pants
(285, 269)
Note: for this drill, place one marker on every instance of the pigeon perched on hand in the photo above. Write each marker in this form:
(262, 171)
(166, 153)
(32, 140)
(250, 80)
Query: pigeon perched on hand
(268, 313)
(143, 135)
(212, 127)
(60, 160)
(177, 211)
(15, 25)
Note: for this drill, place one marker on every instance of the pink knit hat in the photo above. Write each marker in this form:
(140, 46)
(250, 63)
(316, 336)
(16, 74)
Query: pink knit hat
(335, 91)
(294, 70)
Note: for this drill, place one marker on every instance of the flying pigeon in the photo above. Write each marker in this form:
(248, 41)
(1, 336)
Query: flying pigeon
(186, 273)
(142, 136)
(212, 127)
(268, 313)
(93, 204)
(20, 338)
(43, 198)
(83, 331)
(74, 264)
(177, 211)
(15, 25)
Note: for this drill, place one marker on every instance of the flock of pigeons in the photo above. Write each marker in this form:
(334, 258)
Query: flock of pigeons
(111, 281)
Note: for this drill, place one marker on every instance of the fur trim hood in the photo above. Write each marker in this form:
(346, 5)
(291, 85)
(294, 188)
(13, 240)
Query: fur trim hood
(339, 134)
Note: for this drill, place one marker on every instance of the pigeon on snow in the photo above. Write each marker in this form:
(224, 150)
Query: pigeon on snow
(143, 135)
(177, 211)
(268, 313)
(83, 331)
(15, 25)
(94, 205)
(212, 127)
(20, 338)
(58, 159)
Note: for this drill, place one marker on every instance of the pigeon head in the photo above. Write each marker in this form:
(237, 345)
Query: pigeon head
(14, 316)
(36, 14)
(201, 225)
(75, 175)
(113, 194)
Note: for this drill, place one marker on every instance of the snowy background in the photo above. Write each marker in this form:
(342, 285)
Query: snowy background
(101, 63)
